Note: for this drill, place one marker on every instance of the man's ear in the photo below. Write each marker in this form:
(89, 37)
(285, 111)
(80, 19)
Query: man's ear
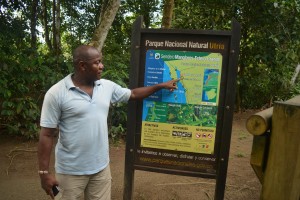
(81, 66)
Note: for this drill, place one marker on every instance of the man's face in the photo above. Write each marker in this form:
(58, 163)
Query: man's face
(93, 65)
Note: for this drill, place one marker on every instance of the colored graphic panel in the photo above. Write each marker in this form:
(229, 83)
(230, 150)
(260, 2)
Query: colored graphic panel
(184, 119)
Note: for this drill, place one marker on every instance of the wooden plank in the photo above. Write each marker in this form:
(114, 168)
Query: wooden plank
(259, 155)
(294, 101)
(281, 180)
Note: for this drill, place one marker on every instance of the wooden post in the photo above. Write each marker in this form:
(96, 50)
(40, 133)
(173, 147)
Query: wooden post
(260, 122)
(228, 113)
(259, 125)
(132, 116)
(282, 174)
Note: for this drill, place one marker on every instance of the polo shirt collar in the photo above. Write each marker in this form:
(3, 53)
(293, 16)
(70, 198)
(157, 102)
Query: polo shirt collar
(97, 83)
(69, 83)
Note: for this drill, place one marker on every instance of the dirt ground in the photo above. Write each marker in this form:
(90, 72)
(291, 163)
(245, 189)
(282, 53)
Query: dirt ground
(19, 179)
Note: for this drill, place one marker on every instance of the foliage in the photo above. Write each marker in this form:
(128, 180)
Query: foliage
(269, 51)
(148, 9)
(116, 69)
(22, 91)
(269, 56)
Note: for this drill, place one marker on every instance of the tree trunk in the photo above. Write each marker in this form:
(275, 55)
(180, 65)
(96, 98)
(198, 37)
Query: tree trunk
(145, 11)
(54, 24)
(167, 14)
(33, 23)
(107, 16)
(45, 24)
(56, 27)
(240, 86)
(295, 75)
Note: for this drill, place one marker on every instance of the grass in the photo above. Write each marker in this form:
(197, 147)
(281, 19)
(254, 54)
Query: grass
(240, 155)
(243, 135)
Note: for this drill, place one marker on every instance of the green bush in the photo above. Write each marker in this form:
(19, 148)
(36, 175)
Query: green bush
(24, 81)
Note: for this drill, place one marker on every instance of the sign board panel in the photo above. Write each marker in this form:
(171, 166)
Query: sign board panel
(186, 131)
(178, 130)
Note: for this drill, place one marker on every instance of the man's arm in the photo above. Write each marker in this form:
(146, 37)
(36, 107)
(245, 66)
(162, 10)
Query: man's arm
(143, 92)
(45, 144)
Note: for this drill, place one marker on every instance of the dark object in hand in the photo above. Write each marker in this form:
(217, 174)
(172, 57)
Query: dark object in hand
(55, 190)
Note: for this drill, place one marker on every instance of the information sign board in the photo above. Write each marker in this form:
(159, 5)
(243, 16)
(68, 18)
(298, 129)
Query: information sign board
(186, 131)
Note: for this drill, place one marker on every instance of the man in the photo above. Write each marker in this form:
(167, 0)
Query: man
(78, 105)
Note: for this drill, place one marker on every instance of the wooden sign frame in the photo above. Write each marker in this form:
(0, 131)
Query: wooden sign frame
(211, 164)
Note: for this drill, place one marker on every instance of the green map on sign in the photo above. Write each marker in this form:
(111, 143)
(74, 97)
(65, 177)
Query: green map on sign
(199, 78)
(199, 74)
(210, 85)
